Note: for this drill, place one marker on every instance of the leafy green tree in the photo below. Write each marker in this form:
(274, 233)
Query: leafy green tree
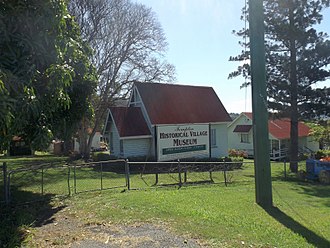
(321, 133)
(129, 45)
(42, 62)
(296, 59)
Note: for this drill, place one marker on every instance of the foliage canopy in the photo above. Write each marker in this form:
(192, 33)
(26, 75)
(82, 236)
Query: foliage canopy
(43, 63)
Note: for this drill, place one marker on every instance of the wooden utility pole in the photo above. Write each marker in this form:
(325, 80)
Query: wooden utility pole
(263, 182)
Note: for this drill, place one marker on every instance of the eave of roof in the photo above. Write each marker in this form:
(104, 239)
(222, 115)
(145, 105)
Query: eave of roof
(242, 128)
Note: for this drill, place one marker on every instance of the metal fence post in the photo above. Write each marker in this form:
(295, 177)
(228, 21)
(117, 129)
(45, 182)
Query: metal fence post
(101, 176)
(5, 186)
(8, 189)
(127, 174)
(225, 174)
(42, 180)
(69, 172)
(156, 175)
(211, 178)
(74, 179)
(179, 169)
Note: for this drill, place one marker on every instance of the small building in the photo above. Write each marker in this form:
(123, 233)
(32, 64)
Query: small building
(96, 142)
(240, 136)
(168, 121)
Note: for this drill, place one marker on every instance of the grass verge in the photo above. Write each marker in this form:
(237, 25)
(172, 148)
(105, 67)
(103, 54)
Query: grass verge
(221, 216)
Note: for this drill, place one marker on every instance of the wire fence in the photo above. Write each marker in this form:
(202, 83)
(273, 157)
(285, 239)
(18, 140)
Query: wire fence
(48, 180)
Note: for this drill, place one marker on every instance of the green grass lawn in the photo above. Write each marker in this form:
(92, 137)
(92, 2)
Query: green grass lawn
(222, 216)
(28, 161)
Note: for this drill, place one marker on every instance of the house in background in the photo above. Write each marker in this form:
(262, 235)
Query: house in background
(240, 136)
(96, 142)
(167, 122)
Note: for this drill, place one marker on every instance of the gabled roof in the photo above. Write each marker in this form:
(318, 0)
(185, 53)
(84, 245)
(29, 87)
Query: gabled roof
(280, 128)
(247, 114)
(129, 121)
(179, 104)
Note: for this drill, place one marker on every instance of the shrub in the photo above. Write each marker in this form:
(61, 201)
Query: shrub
(322, 154)
(102, 156)
(237, 153)
(303, 156)
(204, 159)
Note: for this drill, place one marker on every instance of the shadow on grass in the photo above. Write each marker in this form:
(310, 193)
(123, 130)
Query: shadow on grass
(315, 189)
(15, 220)
(296, 227)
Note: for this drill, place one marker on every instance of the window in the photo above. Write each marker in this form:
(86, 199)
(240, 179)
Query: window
(245, 138)
(213, 138)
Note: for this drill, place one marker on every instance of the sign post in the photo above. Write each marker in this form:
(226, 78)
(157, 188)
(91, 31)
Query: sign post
(263, 181)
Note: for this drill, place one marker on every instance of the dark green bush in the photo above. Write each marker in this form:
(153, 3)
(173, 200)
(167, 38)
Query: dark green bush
(141, 159)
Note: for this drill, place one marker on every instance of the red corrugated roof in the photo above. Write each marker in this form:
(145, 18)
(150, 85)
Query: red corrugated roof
(242, 128)
(179, 104)
(129, 121)
(280, 128)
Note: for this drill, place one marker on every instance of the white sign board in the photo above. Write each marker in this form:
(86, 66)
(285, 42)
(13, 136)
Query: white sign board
(182, 141)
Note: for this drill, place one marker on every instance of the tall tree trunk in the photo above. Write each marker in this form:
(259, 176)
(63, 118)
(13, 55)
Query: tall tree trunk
(294, 94)
(67, 146)
(83, 137)
(88, 138)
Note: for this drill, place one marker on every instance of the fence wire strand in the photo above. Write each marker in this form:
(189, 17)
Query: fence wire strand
(49, 180)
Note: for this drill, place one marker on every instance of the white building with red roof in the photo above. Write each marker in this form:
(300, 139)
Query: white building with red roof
(240, 136)
(167, 122)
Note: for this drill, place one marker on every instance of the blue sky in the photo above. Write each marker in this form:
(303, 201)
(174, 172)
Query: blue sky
(199, 33)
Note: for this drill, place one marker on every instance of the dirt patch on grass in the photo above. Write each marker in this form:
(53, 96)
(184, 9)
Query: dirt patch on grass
(66, 229)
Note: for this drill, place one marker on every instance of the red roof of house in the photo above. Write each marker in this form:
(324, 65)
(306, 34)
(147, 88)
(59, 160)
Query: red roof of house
(242, 128)
(179, 104)
(280, 128)
(129, 121)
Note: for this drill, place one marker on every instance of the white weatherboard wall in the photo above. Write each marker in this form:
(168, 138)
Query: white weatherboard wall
(115, 149)
(234, 138)
(221, 147)
(182, 141)
(96, 140)
(137, 147)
